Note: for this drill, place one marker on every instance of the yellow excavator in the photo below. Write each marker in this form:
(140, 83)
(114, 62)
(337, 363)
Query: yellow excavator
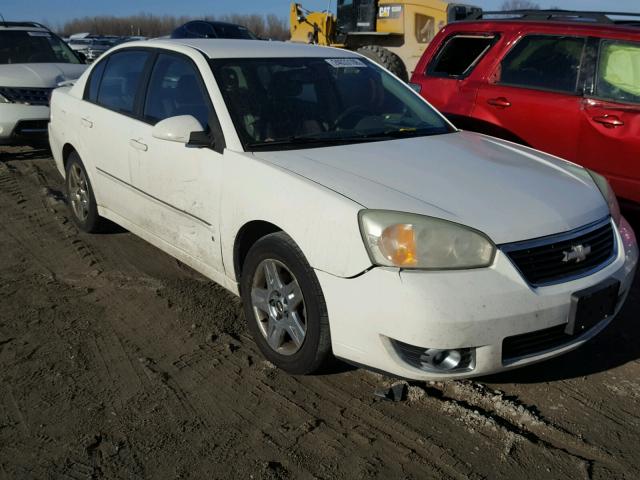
(393, 33)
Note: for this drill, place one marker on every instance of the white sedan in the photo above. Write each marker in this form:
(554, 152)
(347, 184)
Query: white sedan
(351, 217)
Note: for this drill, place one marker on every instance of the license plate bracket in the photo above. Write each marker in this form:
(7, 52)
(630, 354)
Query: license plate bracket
(592, 305)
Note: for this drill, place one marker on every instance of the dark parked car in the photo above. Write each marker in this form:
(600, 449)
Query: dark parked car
(208, 29)
(567, 83)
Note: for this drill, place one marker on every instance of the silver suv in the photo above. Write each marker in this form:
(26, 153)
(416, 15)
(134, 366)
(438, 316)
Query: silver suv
(33, 61)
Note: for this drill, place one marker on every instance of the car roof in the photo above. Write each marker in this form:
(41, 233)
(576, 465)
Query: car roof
(512, 25)
(30, 26)
(231, 48)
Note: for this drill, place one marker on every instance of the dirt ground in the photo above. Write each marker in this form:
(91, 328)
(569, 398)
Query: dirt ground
(118, 362)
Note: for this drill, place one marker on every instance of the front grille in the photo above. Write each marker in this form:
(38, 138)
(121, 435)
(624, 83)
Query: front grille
(545, 261)
(28, 128)
(32, 96)
(411, 354)
(534, 342)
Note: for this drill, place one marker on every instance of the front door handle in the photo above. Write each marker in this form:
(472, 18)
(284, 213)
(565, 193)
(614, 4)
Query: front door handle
(499, 102)
(138, 145)
(86, 122)
(609, 121)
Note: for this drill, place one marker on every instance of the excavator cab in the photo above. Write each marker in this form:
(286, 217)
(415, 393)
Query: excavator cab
(356, 16)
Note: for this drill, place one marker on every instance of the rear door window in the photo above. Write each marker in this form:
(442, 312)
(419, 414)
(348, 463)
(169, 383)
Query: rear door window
(460, 54)
(618, 77)
(121, 79)
(544, 62)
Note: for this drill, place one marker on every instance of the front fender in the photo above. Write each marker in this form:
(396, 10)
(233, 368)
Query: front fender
(322, 222)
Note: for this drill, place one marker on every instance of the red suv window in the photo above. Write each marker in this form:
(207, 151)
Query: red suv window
(460, 54)
(618, 77)
(544, 62)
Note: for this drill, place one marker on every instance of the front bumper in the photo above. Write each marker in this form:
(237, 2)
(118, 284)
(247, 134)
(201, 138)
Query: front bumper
(457, 309)
(23, 124)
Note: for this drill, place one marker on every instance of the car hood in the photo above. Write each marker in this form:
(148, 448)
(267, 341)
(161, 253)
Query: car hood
(38, 75)
(510, 193)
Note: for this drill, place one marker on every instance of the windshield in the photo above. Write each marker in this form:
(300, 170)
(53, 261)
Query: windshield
(21, 46)
(309, 102)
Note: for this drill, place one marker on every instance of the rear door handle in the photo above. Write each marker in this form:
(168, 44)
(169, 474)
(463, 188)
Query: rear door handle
(499, 102)
(86, 122)
(609, 121)
(138, 145)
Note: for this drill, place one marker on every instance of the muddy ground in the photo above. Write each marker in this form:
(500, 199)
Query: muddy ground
(118, 362)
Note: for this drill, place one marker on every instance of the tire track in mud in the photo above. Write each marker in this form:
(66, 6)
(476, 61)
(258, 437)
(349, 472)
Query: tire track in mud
(169, 371)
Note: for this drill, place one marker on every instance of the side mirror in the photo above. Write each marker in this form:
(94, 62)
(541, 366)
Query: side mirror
(177, 129)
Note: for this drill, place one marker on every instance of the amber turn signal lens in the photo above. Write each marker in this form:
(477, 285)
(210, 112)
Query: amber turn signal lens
(398, 244)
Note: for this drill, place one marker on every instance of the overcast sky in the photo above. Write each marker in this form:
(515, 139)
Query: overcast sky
(56, 11)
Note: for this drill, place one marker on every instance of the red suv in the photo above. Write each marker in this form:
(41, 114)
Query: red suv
(567, 83)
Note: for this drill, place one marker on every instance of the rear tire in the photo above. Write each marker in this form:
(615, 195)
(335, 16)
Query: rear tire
(387, 59)
(284, 306)
(80, 198)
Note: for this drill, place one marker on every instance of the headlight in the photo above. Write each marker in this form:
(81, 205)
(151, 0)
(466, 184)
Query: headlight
(407, 240)
(4, 99)
(608, 194)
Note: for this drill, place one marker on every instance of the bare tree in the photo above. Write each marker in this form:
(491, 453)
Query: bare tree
(519, 5)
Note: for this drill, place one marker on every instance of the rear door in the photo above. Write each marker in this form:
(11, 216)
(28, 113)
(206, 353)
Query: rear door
(610, 129)
(534, 95)
(447, 82)
(106, 123)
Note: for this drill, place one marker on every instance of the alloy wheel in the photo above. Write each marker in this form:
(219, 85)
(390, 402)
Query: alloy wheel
(279, 307)
(79, 192)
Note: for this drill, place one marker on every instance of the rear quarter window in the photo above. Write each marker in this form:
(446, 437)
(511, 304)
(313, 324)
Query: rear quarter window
(91, 92)
(460, 54)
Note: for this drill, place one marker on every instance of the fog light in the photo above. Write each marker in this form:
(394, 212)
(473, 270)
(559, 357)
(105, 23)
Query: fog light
(441, 359)
(438, 360)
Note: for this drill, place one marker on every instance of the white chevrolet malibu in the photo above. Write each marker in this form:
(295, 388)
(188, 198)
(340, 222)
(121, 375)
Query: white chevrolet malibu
(350, 216)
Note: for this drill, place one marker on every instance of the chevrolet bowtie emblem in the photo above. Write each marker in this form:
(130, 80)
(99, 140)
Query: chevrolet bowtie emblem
(577, 254)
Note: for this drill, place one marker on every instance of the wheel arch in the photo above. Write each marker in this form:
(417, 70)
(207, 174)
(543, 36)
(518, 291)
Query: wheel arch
(67, 150)
(246, 238)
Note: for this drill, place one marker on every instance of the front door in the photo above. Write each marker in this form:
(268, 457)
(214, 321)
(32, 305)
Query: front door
(534, 96)
(610, 130)
(177, 186)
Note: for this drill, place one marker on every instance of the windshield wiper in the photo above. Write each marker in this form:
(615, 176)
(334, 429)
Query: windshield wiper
(402, 133)
(295, 140)
(325, 139)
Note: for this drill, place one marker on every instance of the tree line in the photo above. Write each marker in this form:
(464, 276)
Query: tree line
(149, 25)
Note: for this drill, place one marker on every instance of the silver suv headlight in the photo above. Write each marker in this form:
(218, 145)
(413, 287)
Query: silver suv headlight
(411, 241)
(609, 195)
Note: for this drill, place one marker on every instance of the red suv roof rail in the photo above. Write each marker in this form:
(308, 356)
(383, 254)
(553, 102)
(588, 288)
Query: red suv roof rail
(615, 18)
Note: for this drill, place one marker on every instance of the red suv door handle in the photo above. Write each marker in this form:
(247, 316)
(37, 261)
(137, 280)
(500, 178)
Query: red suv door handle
(609, 121)
(499, 102)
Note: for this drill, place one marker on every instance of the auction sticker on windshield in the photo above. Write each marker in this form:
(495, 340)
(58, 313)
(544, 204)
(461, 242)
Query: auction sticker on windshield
(346, 63)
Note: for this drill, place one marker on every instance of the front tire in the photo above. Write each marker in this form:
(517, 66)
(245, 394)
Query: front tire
(80, 198)
(284, 306)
